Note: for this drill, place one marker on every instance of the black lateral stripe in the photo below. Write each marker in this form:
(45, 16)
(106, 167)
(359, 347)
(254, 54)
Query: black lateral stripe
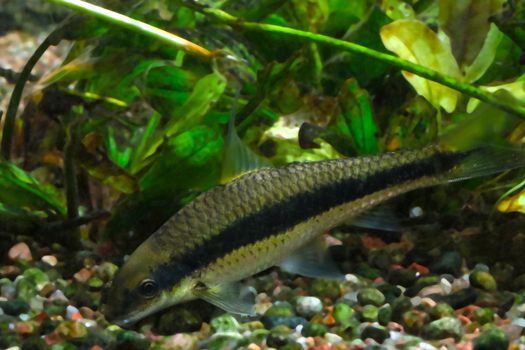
(285, 215)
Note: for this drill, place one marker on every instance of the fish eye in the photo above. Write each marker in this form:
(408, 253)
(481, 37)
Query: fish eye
(148, 288)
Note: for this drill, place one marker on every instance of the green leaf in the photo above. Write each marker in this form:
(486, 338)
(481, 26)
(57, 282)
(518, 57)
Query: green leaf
(19, 189)
(466, 23)
(486, 56)
(516, 89)
(414, 41)
(205, 94)
(357, 112)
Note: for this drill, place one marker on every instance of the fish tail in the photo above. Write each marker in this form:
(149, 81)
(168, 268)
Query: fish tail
(482, 141)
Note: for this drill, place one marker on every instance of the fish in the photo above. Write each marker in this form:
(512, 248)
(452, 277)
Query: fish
(275, 216)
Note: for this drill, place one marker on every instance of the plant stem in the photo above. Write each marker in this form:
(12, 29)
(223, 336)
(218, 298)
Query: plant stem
(16, 96)
(391, 60)
(134, 25)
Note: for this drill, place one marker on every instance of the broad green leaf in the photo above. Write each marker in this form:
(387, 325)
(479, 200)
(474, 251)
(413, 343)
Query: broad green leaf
(19, 189)
(206, 92)
(485, 57)
(517, 89)
(414, 41)
(357, 113)
(466, 23)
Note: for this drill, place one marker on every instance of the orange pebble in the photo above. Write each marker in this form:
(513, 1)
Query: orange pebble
(329, 320)
(419, 268)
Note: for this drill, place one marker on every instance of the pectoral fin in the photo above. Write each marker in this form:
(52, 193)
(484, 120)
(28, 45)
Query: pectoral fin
(231, 297)
(312, 260)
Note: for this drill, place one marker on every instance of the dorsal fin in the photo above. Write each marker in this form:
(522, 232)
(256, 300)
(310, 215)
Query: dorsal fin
(239, 159)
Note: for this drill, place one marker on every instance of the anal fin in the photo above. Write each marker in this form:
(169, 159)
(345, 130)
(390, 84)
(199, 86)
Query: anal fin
(231, 297)
(312, 260)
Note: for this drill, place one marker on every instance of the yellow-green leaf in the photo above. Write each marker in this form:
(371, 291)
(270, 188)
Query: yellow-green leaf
(513, 203)
(466, 23)
(414, 41)
(517, 90)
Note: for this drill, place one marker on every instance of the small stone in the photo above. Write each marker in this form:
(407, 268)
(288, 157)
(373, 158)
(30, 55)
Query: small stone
(95, 284)
(20, 252)
(86, 312)
(442, 310)
(492, 339)
(224, 340)
(14, 307)
(72, 313)
(9, 271)
(72, 329)
(278, 337)
(415, 320)
(314, 330)
(281, 309)
(343, 313)
(449, 262)
(83, 275)
(483, 315)
(308, 306)
(37, 276)
(332, 338)
(483, 280)
(370, 313)
(370, 296)
(224, 323)
(444, 328)
(326, 289)
(47, 289)
(385, 315)
(50, 260)
(378, 333)
(402, 277)
(24, 328)
(130, 340)
(290, 322)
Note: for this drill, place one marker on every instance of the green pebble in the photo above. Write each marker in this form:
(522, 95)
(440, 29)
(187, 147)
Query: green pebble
(483, 315)
(378, 333)
(399, 307)
(415, 320)
(326, 289)
(280, 310)
(278, 337)
(370, 296)
(385, 315)
(130, 340)
(444, 328)
(483, 280)
(343, 313)
(291, 346)
(224, 323)
(230, 340)
(95, 283)
(314, 330)
(370, 313)
(368, 272)
(442, 310)
(14, 307)
(492, 339)
(38, 277)
(25, 289)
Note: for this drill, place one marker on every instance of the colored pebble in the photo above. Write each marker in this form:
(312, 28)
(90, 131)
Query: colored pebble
(444, 328)
(378, 333)
(370, 296)
(483, 280)
(492, 339)
(308, 306)
(20, 252)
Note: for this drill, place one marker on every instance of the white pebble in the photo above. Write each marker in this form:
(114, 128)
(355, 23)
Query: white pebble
(333, 338)
(416, 212)
(70, 311)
